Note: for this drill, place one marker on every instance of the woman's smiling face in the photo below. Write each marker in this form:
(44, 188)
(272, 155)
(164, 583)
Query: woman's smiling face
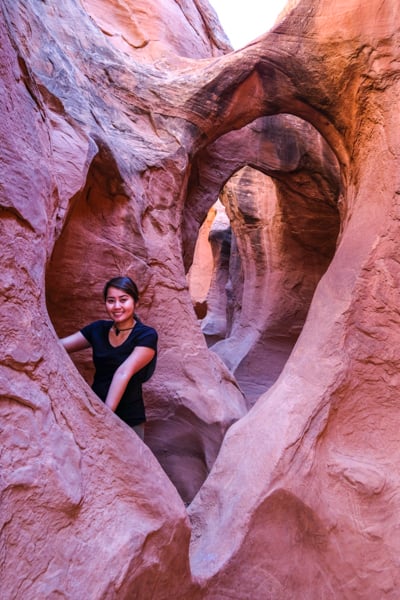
(120, 306)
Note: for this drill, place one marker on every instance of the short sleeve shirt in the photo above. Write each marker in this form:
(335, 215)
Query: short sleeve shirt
(107, 359)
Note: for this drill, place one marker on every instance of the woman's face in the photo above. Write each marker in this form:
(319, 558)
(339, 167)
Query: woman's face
(120, 306)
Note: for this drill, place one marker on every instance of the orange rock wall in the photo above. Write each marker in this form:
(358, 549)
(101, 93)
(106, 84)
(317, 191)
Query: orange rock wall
(117, 134)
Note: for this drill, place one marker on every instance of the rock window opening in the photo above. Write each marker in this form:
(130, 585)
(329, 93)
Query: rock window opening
(259, 256)
(101, 237)
(91, 246)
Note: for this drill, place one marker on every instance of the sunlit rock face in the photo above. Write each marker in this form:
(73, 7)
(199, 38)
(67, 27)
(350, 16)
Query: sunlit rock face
(203, 264)
(151, 30)
(215, 237)
(118, 134)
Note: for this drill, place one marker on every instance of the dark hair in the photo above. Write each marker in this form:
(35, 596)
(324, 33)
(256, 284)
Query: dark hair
(122, 283)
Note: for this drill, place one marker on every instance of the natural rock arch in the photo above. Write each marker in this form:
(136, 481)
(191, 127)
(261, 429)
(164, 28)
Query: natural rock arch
(286, 233)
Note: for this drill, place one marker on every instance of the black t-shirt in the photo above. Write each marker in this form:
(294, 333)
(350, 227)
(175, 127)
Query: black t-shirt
(107, 359)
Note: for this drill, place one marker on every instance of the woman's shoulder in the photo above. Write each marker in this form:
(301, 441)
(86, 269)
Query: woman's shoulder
(140, 326)
(141, 330)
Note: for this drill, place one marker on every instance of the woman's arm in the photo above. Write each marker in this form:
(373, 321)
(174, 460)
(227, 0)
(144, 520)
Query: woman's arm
(74, 342)
(139, 358)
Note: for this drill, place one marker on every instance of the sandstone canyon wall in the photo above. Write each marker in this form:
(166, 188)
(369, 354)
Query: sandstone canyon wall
(122, 122)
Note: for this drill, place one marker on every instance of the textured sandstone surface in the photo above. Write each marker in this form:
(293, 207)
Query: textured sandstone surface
(122, 122)
(285, 233)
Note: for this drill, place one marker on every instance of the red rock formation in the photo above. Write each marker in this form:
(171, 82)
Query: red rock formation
(286, 234)
(319, 468)
(105, 169)
(148, 30)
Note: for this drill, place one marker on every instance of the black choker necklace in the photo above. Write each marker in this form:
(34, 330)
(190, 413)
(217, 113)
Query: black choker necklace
(118, 331)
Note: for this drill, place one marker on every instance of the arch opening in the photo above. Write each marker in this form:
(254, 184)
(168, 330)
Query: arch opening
(280, 233)
(103, 236)
(251, 253)
(89, 251)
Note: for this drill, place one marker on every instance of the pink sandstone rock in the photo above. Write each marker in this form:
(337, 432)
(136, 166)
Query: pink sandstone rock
(108, 140)
(286, 235)
(148, 30)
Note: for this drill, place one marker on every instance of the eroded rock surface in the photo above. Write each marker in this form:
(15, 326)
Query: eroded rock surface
(283, 212)
(117, 136)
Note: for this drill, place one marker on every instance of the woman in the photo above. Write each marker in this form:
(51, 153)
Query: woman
(124, 352)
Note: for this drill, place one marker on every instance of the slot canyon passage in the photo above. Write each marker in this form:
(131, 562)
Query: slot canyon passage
(270, 468)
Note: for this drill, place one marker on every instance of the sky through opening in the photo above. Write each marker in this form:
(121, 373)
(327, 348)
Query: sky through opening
(244, 20)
